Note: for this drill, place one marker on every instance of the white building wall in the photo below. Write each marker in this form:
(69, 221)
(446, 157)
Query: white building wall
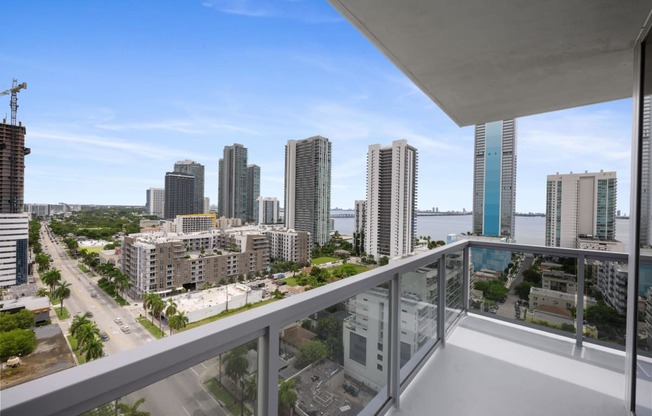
(14, 230)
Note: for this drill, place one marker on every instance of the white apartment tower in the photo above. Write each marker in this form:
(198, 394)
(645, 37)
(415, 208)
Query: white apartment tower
(267, 210)
(391, 199)
(13, 249)
(155, 201)
(580, 205)
(646, 174)
(308, 187)
(494, 179)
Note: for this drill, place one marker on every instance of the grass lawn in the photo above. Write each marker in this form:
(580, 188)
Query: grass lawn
(73, 345)
(94, 249)
(321, 260)
(83, 268)
(61, 315)
(290, 281)
(226, 313)
(225, 397)
(361, 269)
(153, 329)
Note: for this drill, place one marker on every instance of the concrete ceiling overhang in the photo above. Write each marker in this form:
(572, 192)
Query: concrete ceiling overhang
(487, 60)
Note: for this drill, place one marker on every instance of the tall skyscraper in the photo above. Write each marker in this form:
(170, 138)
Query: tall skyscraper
(253, 192)
(308, 187)
(391, 199)
(195, 169)
(580, 204)
(179, 195)
(267, 210)
(12, 167)
(232, 187)
(14, 224)
(155, 201)
(494, 179)
(359, 231)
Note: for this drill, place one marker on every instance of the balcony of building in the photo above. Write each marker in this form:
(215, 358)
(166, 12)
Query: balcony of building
(467, 362)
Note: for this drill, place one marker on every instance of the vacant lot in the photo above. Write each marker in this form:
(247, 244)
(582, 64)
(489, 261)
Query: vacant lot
(321, 260)
(52, 354)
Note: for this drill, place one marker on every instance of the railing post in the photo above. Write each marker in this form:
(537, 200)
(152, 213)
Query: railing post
(466, 279)
(441, 300)
(394, 374)
(579, 312)
(268, 350)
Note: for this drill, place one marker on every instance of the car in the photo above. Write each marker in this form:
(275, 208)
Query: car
(89, 314)
(118, 321)
(93, 294)
(125, 329)
(104, 336)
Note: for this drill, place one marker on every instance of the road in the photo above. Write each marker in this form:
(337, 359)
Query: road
(181, 394)
(508, 309)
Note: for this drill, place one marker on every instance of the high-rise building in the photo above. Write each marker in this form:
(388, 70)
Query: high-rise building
(179, 195)
(13, 249)
(308, 187)
(207, 205)
(580, 205)
(155, 201)
(494, 179)
(253, 192)
(195, 169)
(359, 227)
(12, 167)
(390, 228)
(267, 210)
(232, 187)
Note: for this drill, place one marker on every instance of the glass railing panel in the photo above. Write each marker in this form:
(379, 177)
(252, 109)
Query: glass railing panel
(336, 360)
(454, 286)
(223, 385)
(605, 302)
(644, 338)
(418, 314)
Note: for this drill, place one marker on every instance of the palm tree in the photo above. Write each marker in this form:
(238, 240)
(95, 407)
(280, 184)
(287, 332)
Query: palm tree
(149, 300)
(157, 305)
(62, 292)
(287, 397)
(127, 409)
(251, 390)
(171, 309)
(51, 278)
(236, 366)
(87, 333)
(92, 349)
(77, 322)
(177, 321)
(122, 283)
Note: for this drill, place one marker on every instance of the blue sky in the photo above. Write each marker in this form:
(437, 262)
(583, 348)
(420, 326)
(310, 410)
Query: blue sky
(118, 91)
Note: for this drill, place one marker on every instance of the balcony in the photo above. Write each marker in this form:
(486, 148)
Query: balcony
(466, 362)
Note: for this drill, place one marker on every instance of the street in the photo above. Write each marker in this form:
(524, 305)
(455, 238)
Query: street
(507, 309)
(181, 394)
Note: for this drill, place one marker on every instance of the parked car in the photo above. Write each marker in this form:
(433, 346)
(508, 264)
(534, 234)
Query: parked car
(118, 321)
(125, 329)
(104, 336)
(93, 294)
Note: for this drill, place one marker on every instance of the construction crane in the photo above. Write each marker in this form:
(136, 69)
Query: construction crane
(15, 87)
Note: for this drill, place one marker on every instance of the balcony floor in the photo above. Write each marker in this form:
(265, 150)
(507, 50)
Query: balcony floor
(493, 368)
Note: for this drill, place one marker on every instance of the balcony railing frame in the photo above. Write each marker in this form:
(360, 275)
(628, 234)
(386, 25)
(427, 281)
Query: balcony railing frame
(86, 387)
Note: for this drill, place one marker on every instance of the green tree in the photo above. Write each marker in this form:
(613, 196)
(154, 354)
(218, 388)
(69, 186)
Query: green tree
(171, 308)
(43, 262)
(51, 278)
(383, 261)
(92, 349)
(87, 333)
(522, 290)
(23, 319)
(287, 397)
(178, 321)
(157, 306)
(77, 322)
(311, 352)
(62, 292)
(236, 365)
(17, 342)
(127, 409)
(532, 276)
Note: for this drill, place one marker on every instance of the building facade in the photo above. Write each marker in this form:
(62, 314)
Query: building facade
(232, 186)
(155, 201)
(580, 205)
(193, 223)
(289, 245)
(268, 210)
(308, 187)
(390, 228)
(494, 179)
(12, 167)
(253, 192)
(14, 229)
(195, 169)
(179, 196)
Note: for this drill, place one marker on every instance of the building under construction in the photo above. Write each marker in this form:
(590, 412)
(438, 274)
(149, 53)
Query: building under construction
(12, 167)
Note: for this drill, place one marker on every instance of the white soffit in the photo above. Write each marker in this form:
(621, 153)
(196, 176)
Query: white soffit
(483, 60)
